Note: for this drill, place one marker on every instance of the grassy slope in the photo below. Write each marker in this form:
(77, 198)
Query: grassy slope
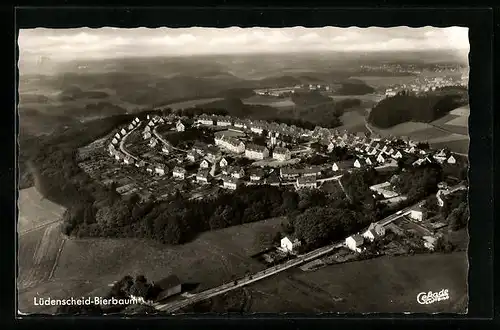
(387, 284)
(87, 266)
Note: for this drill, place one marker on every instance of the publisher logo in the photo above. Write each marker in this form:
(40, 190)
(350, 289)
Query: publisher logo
(426, 298)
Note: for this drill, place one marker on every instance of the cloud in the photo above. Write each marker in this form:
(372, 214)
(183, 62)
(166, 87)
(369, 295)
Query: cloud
(64, 44)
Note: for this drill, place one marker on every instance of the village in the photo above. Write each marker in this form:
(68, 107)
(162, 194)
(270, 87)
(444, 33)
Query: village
(139, 160)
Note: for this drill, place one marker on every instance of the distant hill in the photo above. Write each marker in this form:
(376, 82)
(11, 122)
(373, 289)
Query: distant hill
(354, 87)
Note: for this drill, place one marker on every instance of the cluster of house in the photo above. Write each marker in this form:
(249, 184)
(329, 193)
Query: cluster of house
(424, 85)
(355, 242)
(114, 145)
(251, 151)
(255, 126)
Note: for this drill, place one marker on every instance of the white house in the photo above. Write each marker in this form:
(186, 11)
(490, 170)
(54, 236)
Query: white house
(202, 176)
(306, 182)
(257, 129)
(146, 135)
(331, 146)
(165, 149)
(114, 141)
(160, 169)
(223, 162)
(180, 126)
(357, 164)
(136, 120)
(128, 160)
(130, 127)
(335, 167)
(230, 183)
(147, 129)
(153, 142)
(205, 120)
(179, 172)
(237, 172)
(397, 155)
(256, 175)
(373, 232)
(205, 164)
(380, 158)
(368, 161)
(417, 214)
(192, 156)
(289, 245)
(123, 132)
(256, 152)
(240, 124)
(223, 121)
(354, 242)
(230, 143)
(117, 135)
(281, 154)
(452, 160)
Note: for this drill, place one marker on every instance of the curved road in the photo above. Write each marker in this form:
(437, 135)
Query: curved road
(122, 143)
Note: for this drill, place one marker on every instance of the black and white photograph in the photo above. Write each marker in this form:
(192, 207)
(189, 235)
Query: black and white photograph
(243, 170)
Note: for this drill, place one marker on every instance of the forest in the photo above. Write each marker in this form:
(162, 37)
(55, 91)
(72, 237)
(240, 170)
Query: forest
(419, 108)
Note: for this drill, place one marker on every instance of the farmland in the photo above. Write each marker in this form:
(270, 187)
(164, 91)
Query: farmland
(214, 257)
(270, 100)
(35, 211)
(191, 103)
(385, 284)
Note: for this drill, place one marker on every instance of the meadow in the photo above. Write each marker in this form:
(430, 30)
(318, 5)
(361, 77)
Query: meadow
(270, 101)
(87, 266)
(385, 285)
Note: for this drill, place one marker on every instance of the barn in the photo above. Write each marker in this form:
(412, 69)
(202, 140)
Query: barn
(169, 287)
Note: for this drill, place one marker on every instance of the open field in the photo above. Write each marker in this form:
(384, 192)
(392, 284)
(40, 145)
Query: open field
(269, 100)
(37, 254)
(214, 257)
(462, 111)
(191, 103)
(386, 284)
(232, 133)
(462, 121)
(36, 211)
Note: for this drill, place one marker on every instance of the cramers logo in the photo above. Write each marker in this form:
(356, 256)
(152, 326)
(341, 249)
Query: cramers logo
(426, 298)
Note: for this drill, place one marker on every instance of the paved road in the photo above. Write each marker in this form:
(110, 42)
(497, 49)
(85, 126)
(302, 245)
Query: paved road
(174, 306)
(122, 143)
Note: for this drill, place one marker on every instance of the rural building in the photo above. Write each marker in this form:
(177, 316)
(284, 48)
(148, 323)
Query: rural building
(205, 120)
(180, 127)
(312, 171)
(306, 182)
(153, 142)
(223, 162)
(202, 176)
(256, 174)
(368, 161)
(130, 127)
(146, 135)
(452, 160)
(230, 143)
(169, 287)
(117, 135)
(397, 155)
(240, 124)
(335, 167)
(429, 242)
(354, 242)
(192, 156)
(136, 120)
(205, 164)
(237, 172)
(147, 129)
(289, 244)
(165, 149)
(417, 214)
(128, 160)
(258, 129)
(281, 154)
(373, 232)
(357, 164)
(160, 169)
(123, 132)
(224, 121)
(114, 141)
(289, 173)
(179, 172)
(254, 151)
(380, 158)
(230, 183)
(140, 163)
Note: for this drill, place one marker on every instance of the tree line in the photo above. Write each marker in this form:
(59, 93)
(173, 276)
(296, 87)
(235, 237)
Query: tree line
(420, 108)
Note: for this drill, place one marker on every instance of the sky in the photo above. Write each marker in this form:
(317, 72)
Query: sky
(86, 43)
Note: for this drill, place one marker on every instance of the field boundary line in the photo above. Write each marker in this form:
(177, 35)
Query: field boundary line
(56, 261)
